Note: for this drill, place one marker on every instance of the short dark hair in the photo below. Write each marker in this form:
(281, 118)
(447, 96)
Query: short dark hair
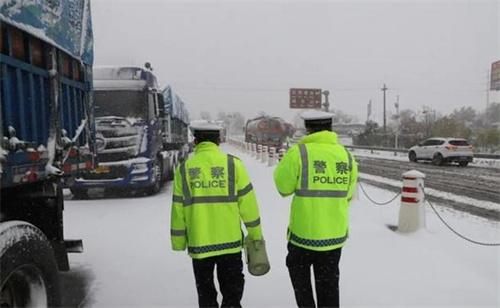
(317, 126)
(210, 136)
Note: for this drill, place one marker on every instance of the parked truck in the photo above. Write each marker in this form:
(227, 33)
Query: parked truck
(139, 132)
(47, 138)
(270, 131)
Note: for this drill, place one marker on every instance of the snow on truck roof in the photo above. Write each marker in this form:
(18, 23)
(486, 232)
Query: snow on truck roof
(117, 85)
(124, 75)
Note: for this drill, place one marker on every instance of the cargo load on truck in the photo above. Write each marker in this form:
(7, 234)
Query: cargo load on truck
(176, 119)
(47, 139)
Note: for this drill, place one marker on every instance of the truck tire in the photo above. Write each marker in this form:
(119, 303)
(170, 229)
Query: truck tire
(172, 167)
(29, 275)
(170, 172)
(157, 172)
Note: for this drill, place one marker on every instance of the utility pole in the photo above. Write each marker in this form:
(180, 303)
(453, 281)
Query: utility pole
(369, 111)
(488, 88)
(384, 89)
(397, 122)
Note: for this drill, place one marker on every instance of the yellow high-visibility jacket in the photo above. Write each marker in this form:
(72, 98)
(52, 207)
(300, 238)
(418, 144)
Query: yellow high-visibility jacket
(212, 195)
(322, 175)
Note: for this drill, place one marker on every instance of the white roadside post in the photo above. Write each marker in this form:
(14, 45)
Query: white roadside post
(259, 151)
(264, 154)
(272, 153)
(281, 153)
(412, 210)
(254, 149)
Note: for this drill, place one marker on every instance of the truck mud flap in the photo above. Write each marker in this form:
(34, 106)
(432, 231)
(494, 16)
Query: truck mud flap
(73, 246)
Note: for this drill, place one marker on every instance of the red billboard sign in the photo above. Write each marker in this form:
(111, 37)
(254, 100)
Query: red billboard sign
(301, 98)
(495, 76)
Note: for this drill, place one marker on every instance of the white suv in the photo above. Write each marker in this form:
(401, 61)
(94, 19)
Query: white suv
(442, 150)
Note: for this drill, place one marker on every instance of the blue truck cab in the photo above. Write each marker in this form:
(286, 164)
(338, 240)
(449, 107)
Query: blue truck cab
(47, 139)
(130, 116)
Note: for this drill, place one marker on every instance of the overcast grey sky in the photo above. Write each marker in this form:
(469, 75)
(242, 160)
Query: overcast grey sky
(245, 55)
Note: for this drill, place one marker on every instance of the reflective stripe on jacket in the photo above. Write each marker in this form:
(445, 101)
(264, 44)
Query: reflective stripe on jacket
(322, 175)
(212, 195)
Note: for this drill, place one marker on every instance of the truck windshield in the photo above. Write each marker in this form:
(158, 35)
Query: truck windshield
(121, 104)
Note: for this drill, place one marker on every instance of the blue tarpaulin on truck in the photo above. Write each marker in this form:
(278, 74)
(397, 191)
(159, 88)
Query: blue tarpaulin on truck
(174, 105)
(63, 23)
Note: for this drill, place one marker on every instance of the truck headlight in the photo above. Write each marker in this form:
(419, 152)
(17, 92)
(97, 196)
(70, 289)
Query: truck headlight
(140, 167)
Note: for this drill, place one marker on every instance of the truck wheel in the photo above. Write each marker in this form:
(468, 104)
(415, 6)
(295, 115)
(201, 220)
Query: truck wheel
(29, 276)
(157, 178)
(79, 193)
(170, 172)
(463, 163)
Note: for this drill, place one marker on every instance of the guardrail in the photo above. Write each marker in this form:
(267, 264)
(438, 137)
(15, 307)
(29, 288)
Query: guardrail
(476, 155)
(395, 150)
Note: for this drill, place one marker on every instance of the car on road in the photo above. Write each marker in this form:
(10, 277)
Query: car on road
(442, 150)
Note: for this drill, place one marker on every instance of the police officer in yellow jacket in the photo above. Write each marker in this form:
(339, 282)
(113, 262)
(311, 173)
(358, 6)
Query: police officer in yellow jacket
(212, 195)
(321, 174)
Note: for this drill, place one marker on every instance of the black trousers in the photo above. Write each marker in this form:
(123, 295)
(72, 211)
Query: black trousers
(229, 275)
(326, 275)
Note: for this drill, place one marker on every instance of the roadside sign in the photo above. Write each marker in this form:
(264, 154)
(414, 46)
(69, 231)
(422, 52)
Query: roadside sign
(301, 98)
(495, 76)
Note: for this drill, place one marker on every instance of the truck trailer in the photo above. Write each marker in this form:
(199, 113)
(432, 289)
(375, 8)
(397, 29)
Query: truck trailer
(47, 139)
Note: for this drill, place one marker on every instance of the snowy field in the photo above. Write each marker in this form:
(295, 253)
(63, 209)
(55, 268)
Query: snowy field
(128, 261)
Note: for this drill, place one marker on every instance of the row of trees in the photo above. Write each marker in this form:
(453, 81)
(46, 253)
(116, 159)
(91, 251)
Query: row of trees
(481, 128)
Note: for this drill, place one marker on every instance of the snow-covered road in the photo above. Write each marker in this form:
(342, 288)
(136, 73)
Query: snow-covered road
(128, 261)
